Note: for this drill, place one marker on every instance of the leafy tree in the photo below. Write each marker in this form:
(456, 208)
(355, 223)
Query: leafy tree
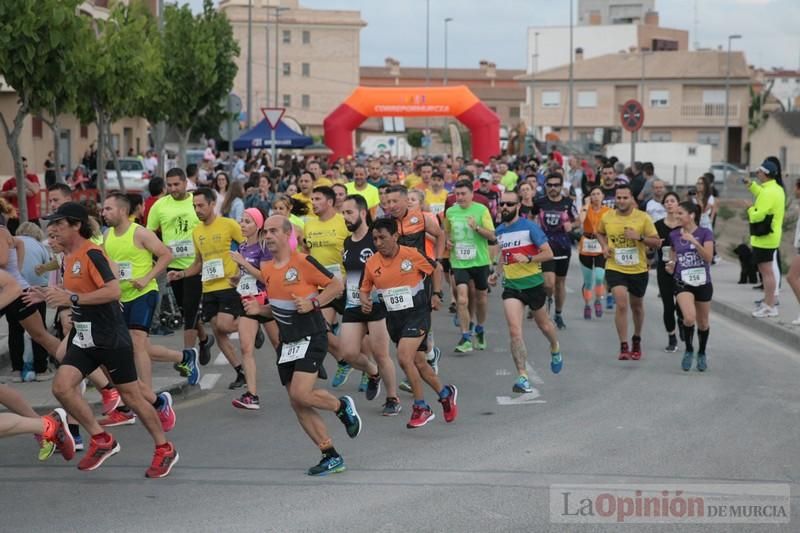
(755, 113)
(414, 138)
(36, 38)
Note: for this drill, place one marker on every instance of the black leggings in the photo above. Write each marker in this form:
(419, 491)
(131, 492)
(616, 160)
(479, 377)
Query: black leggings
(16, 343)
(666, 289)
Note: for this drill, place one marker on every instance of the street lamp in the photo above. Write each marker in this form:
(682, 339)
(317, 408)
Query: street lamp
(571, 77)
(427, 42)
(249, 64)
(727, 97)
(446, 21)
(278, 11)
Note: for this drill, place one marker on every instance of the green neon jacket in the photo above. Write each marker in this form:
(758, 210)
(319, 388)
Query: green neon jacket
(766, 214)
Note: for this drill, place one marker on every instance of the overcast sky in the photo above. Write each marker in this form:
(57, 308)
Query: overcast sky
(497, 30)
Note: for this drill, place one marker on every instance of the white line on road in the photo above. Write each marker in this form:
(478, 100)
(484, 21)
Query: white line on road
(221, 360)
(208, 381)
(502, 372)
(522, 399)
(532, 375)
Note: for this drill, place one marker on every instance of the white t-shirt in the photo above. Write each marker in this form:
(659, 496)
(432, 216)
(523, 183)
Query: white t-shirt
(655, 209)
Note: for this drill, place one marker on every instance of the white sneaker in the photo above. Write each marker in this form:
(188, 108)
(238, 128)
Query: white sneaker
(796, 321)
(765, 311)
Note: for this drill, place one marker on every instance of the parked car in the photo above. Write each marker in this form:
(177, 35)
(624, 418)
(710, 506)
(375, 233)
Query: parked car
(734, 173)
(134, 175)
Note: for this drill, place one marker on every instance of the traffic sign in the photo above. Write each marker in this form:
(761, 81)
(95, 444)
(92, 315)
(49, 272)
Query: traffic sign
(273, 115)
(229, 130)
(632, 115)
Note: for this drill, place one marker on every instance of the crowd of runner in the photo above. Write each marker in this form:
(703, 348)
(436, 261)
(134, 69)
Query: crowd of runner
(346, 262)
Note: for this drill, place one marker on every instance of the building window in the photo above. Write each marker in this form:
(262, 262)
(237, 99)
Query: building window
(551, 98)
(661, 136)
(587, 98)
(513, 112)
(306, 37)
(714, 96)
(306, 101)
(84, 131)
(287, 100)
(306, 70)
(709, 137)
(287, 69)
(287, 37)
(659, 98)
(36, 126)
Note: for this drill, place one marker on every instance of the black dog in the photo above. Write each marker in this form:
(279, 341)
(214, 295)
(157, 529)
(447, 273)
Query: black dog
(747, 264)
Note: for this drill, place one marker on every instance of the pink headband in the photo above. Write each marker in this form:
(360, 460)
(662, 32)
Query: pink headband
(256, 215)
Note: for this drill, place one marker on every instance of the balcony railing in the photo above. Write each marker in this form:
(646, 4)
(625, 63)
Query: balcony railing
(706, 111)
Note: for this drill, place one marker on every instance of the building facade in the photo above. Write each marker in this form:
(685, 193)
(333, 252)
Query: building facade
(318, 57)
(683, 94)
(778, 136)
(785, 87)
(593, 12)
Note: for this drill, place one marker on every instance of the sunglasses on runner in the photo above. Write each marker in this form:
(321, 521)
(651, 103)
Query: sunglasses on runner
(553, 185)
(507, 204)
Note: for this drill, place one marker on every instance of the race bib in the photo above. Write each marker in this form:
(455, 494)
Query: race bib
(466, 251)
(336, 270)
(437, 208)
(353, 294)
(292, 351)
(398, 298)
(694, 276)
(591, 246)
(182, 249)
(125, 271)
(213, 269)
(626, 256)
(83, 335)
(248, 286)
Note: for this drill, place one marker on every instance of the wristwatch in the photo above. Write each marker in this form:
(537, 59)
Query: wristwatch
(440, 294)
(641, 237)
(73, 298)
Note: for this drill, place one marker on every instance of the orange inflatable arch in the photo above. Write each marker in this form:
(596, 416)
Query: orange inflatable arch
(456, 101)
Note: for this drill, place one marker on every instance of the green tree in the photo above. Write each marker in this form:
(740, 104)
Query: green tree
(755, 113)
(35, 46)
(414, 138)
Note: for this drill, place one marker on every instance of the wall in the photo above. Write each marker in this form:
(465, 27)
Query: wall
(595, 41)
(768, 140)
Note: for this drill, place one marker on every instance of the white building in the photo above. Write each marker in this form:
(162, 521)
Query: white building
(786, 87)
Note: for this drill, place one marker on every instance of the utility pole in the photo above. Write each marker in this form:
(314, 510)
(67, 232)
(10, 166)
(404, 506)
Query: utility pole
(571, 80)
(249, 63)
(446, 21)
(725, 146)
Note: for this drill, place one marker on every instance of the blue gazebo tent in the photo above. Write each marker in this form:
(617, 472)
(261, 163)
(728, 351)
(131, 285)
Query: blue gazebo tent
(259, 137)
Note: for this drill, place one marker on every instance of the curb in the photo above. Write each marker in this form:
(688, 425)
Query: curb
(765, 326)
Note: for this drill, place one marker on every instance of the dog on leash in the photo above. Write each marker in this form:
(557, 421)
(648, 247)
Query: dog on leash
(748, 272)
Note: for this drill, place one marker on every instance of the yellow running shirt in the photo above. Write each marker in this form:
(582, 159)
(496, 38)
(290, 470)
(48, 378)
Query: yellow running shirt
(214, 243)
(627, 256)
(436, 201)
(176, 219)
(325, 241)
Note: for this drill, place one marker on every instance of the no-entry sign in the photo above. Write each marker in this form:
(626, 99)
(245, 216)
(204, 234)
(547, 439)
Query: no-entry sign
(632, 115)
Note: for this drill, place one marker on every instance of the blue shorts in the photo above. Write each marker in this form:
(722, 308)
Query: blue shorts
(138, 313)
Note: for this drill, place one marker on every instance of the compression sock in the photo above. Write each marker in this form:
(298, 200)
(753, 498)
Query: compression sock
(702, 335)
(688, 337)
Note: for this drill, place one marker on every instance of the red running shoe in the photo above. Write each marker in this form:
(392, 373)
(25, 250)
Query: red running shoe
(449, 404)
(111, 400)
(99, 451)
(166, 414)
(624, 353)
(57, 431)
(420, 416)
(118, 418)
(636, 352)
(164, 459)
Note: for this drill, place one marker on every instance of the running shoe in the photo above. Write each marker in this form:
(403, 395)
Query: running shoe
(456, 321)
(342, 373)
(391, 407)
(405, 386)
(701, 362)
(349, 416)
(559, 320)
(465, 346)
(247, 401)
(46, 449)
(598, 308)
(204, 348)
(259, 338)
(191, 368)
(686, 362)
(672, 345)
(556, 362)
(165, 413)
(373, 387)
(239, 382)
(328, 465)
(624, 353)
(765, 311)
(111, 400)
(587, 312)
(57, 432)
(610, 301)
(98, 452)
(420, 416)
(364, 383)
(522, 385)
(78, 443)
(479, 341)
(434, 361)
(118, 418)
(760, 303)
(636, 350)
(164, 459)
(450, 404)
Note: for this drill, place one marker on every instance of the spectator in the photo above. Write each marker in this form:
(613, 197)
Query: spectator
(648, 171)
(49, 169)
(32, 187)
(654, 206)
(233, 200)
(192, 175)
(156, 188)
(262, 197)
(222, 182)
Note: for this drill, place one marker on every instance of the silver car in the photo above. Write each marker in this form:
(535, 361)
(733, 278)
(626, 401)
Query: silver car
(134, 175)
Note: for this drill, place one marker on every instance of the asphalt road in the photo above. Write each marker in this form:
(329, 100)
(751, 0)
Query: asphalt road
(600, 421)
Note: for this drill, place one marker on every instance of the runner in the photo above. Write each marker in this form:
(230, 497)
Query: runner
(212, 241)
(132, 248)
(608, 185)
(666, 281)
(359, 329)
(436, 195)
(293, 280)
(523, 248)
(399, 273)
(590, 255)
(690, 259)
(305, 186)
(470, 229)
(252, 253)
(555, 214)
(174, 217)
(624, 235)
(360, 186)
(99, 338)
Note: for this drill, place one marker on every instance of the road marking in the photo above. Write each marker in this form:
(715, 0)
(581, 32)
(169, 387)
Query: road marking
(221, 360)
(522, 399)
(208, 381)
(532, 375)
(502, 372)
